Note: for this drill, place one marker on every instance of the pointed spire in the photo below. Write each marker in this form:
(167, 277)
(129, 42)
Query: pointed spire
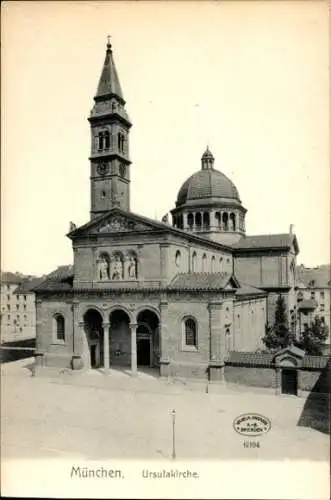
(207, 159)
(109, 82)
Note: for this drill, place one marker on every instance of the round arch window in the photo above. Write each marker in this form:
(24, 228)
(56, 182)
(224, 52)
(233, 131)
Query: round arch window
(178, 258)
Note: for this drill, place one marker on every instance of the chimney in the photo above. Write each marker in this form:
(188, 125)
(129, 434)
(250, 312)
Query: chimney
(291, 228)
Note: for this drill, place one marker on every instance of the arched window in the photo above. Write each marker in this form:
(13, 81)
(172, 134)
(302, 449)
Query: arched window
(228, 340)
(204, 263)
(225, 220)
(232, 222)
(178, 258)
(190, 332)
(194, 262)
(58, 327)
(205, 220)
(218, 219)
(100, 140)
(106, 139)
(190, 220)
(198, 221)
(221, 263)
(212, 264)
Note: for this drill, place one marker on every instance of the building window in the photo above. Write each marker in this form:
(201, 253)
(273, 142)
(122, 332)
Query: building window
(25, 316)
(8, 316)
(322, 295)
(322, 308)
(194, 262)
(8, 307)
(312, 295)
(322, 319)
(17, 306)
(190, 332)
(204, 263)
(177, 258)
(17, 297)
(58, 327)
(8, 297)
(24, 297)
(212, 264)
(24, 307)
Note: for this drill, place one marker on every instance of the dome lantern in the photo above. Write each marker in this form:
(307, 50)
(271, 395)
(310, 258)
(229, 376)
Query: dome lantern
(207, 160)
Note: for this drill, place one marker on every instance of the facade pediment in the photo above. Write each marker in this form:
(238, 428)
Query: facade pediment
(114, 222)
(119, 223)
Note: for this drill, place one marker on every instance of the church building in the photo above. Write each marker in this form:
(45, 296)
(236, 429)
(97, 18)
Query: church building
(177, 295)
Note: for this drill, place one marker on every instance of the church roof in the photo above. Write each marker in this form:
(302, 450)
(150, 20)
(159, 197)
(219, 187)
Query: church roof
(109, 82)
(267, 241)
(248, 290)
(207, 183)
(202, 281)
(59, 279)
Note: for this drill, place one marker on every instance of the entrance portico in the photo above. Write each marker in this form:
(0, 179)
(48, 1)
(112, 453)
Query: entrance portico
(113, 339)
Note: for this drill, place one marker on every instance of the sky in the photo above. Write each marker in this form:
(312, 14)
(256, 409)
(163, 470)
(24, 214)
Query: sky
(250, 79)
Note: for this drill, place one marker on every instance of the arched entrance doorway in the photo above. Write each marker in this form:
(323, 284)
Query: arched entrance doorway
(148, 345)
(94, 335)
(120, 338)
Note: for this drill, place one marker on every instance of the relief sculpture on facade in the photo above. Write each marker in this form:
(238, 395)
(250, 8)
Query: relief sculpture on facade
(102, 269)
(120, 224)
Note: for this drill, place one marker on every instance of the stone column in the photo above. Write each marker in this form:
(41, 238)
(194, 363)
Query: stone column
(217, 343)
(106, 347)
(133, 329)
(163, 339)
(185, 225)
(77, 338)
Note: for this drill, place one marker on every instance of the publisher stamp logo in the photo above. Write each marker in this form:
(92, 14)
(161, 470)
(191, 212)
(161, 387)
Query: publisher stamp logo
(251, 424)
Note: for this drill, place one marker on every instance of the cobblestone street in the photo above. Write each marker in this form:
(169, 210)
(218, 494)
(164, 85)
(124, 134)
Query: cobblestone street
(97, 417)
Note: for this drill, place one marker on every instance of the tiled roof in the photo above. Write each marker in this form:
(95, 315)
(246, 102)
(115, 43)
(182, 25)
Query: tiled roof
(307, 304)
(200, 281)
(209, 183)
(314, 277)
(265, 241)
(317, 362)
(248, 290)
(250, 358)
(58, 280)
(265, 359)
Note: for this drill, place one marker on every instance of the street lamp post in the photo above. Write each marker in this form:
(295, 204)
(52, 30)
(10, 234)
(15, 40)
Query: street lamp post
(173, 414)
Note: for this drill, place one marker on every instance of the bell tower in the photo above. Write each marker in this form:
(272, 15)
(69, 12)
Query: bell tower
(110, 125)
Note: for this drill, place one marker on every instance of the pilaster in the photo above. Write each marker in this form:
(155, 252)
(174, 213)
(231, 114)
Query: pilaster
(164, 340)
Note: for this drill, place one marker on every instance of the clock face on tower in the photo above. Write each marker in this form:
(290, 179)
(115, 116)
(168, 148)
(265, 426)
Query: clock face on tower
(103, 168)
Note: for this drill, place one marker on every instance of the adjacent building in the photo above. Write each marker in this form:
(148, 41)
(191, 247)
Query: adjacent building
(18, 307)
(313, 293)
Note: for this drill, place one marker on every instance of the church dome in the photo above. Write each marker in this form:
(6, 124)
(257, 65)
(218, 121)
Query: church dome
(207, 183)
